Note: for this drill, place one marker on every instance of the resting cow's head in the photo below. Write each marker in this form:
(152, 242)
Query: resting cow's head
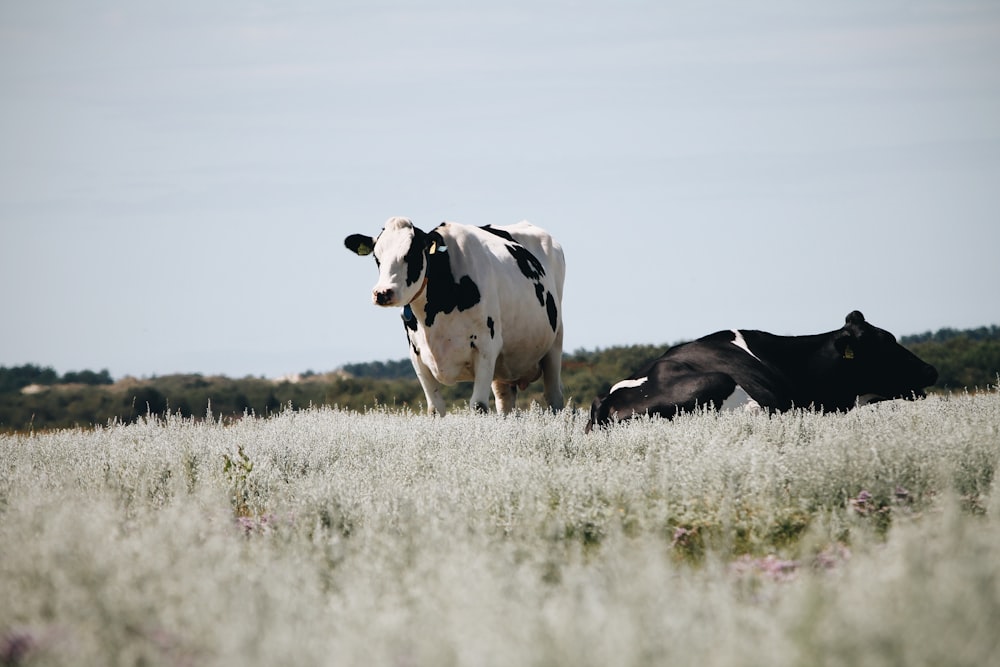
(400, 252)
(877, 364)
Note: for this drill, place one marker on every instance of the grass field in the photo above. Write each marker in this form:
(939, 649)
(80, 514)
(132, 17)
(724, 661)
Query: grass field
(327, 537)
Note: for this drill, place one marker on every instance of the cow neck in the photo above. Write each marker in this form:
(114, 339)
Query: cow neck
(791, 351)
(420, 291)
(423, 285)
(408, 316)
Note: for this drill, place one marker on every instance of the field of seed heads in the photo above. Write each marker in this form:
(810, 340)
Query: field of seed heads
(328, 537)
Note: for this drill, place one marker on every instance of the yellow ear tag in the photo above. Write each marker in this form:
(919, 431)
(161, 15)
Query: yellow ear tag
(433, 249)
(848, 352)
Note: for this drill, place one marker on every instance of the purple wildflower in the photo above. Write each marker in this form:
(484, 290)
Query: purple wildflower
(256, 524)
(832, 557)
(863, 503)
(261, 523)
(15, 647)
(769, 567)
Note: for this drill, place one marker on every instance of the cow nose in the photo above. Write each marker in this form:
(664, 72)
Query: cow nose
(382, 297)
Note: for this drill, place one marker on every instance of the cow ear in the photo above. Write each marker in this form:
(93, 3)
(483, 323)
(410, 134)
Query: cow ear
(435, 243)
(360, 244)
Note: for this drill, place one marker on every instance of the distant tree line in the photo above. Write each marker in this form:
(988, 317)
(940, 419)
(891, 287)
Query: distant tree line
(381, 370)
(964, 359)
(944, 335)
(19, 377)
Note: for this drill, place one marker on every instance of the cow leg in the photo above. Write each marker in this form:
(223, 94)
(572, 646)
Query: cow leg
(767, 399)
(552, 372)
(664, 394)
(694, 390)
(430, 385)
(505, 394)
(485, 366)
(599, 413)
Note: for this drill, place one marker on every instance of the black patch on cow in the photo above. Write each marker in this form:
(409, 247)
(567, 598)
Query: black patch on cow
(409, 324)
(540, 293)
(472, 341)
(407, 327)
(378, 262)
(526, 262)
(529, 265)
(444, 294)
(550, 306)
(415, 257)
(533, 270)
(499, 232)
(725, 336)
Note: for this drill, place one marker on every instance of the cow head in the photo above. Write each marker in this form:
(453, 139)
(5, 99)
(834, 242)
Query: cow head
(877, 364)
(400, 253)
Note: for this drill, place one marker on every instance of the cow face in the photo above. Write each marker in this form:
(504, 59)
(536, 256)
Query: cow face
(400, 251)
(879, 365)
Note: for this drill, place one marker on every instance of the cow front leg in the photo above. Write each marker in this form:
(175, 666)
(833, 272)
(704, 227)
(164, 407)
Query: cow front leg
(430, 385)
(480, 401)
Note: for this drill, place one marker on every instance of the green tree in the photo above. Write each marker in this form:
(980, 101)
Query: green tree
(18, 377)
(87, 377)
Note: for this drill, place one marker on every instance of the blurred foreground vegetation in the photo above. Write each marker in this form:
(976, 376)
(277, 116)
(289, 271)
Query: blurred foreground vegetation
(32, 397)
(322, 536)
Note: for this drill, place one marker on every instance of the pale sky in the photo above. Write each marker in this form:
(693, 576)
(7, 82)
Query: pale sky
(177, 179)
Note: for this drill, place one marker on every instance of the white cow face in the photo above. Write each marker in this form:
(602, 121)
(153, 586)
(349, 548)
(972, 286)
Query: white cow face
(399, 253)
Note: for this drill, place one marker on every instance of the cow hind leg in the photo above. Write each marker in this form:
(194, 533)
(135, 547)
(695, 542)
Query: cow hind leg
(552, 373)
(505, 394)
(663, 397)
(694, 390)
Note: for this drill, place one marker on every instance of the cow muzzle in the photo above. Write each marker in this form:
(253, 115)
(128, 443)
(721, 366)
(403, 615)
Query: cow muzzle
(928, 376)
(384, 297)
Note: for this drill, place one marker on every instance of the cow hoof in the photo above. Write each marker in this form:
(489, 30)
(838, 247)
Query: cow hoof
(480, 408)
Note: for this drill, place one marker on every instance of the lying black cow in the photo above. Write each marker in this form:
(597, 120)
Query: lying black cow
(858, 363)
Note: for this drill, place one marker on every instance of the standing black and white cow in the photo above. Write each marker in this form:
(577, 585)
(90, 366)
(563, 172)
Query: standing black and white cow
(856, 364)
(480, 304)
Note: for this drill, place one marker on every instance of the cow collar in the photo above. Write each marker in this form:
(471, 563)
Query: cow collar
(407, 310)
(420, 291)
(434, 249)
